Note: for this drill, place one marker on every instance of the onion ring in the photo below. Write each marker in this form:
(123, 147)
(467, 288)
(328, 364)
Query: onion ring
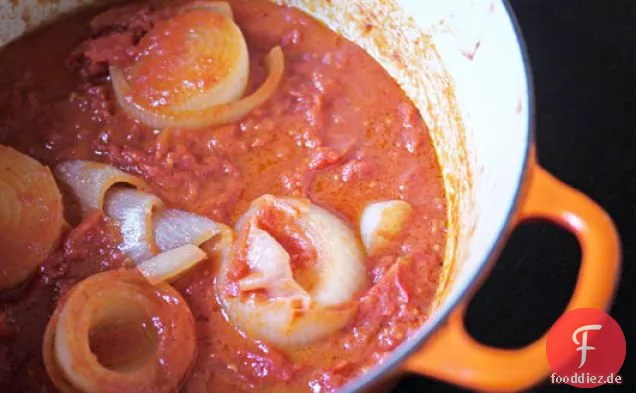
(97, 301)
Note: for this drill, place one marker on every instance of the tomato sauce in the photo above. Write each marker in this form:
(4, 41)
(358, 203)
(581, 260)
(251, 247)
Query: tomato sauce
(338, 131)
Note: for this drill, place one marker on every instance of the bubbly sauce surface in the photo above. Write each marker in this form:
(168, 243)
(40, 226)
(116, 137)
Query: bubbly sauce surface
(338, 131)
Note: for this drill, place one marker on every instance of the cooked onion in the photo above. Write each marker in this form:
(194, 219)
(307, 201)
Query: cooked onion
(274, 304)
(31, 217)
(221, 7)
(229, 52)
(193, 61)
(108, 298)
(174, 228)
(381, 222)
(88, 181)
(192, 72)
(169, 265)
(132, 210)
(147, 227)
(219, 248)
(212, 116)
(271, 268)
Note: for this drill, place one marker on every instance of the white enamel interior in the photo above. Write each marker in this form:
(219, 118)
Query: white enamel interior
(493, 95)
(479, 47)
(476, 106)
(481, 129)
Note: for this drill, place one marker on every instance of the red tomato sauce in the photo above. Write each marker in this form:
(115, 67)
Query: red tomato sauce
(338, 131)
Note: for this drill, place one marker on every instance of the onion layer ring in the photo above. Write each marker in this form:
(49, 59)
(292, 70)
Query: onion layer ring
(146, 225)
(72, 365)
(89, 181)
(169, 265)
(132, 210)
(174, 228)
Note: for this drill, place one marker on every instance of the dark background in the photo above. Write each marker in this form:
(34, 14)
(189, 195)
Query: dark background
(583, 64)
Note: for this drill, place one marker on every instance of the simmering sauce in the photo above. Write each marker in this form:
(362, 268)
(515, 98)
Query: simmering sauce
(338, 131)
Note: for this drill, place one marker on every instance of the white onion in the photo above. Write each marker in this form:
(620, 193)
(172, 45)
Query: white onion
(146, 226)
(109, 298)
(132, 210)
(174, 228)
(381, 222)
(271, 269)
(88, 181)
(220, 7)
(287, 314)
(214, 115)
(231, 43)
(212, 58)
(169, 265)
(31, 216)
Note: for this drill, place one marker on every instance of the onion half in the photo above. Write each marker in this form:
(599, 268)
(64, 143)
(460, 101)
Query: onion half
(212, 116)
(192, 71)
(31, 216)
(89, 181)
(272, 305)
(102, 300)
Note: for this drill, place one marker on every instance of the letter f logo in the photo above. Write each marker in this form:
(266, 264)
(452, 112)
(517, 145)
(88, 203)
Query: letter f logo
(584, 347)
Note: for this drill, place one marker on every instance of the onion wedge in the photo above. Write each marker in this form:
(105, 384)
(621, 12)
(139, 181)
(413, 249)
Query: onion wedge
(165, 324)
(132, 211)
(381, 222)
(89, 181)
(31, 216)
(169, 265)
(274, 303)
(198, 117)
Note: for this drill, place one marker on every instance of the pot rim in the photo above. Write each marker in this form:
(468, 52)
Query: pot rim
(412, 345)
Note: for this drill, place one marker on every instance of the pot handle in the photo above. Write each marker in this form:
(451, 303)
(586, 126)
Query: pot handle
(453, 356)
